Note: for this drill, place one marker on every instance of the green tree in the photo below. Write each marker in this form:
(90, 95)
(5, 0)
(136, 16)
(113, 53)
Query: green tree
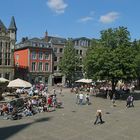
(69, 61)
(114, 37)
(136, 46)
(113, 59)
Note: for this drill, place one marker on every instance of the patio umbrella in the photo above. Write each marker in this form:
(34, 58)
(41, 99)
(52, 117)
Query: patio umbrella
(3, 80)
(84, 81)
(19, 83)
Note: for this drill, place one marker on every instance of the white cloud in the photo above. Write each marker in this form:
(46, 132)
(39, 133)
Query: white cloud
(57, 6)
(109, 17)
(85, 19)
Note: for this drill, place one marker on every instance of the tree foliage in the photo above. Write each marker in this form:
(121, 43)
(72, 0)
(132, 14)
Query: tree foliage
(69, 61)
(114, 37)
(113, 58)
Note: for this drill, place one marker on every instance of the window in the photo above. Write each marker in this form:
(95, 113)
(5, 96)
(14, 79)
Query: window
(77, 51)
(8, 62)
(46, 55)
(40, 55)
(35, 44)
(17, 56)
(55, 58)
(80, 60)
(40, 66)
(59, 68)
(55, 50)
(33, 55)
(80, 52)
(60, 58)
(42, 45)
(82, 43)
(33, 66)
(17, 64)
(55, 68)
(46, 67)
(61, 50)
(7, 58)
(5, 62)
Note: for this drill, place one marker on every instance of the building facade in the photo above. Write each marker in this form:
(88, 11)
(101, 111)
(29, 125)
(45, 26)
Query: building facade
(7, 45)
(81, 45)
(58, 45)
(33, 60)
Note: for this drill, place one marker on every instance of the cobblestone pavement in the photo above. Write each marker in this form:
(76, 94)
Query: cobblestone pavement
(75, 122)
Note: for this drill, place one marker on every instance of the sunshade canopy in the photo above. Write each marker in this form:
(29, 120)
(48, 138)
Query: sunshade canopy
(19, 83)
(84, 81)
(3, 80)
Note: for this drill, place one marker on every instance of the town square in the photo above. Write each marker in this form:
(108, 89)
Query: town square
(75, 122)
(69, 70)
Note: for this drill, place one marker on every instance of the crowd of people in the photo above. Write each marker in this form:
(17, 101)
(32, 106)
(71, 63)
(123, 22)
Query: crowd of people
(104, 89)
(41, 101)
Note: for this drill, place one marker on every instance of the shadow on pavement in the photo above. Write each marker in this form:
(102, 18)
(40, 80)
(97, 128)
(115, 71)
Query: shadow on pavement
(9, 131)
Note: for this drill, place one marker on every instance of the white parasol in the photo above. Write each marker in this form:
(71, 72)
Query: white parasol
(19, 83)
(84, 81)
(3, 80)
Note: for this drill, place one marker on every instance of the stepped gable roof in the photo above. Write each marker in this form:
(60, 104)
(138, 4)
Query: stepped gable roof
(2, 26)
(12, 24)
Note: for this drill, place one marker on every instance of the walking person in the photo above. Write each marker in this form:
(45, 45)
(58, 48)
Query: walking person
(98, 117)
(113, 100)
(87, 99)
(131, 101)
(77, 98)
(128, 101)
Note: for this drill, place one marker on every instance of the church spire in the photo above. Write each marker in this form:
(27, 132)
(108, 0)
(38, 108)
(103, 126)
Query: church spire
(12, 24)
(2, 26)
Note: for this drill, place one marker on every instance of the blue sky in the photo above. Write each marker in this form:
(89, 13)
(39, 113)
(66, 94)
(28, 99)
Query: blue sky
(71, 18)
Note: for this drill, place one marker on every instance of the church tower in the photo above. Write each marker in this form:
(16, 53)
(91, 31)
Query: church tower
(13, 29)
(7, 45)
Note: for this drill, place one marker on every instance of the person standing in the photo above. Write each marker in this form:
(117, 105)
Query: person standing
(77, 98)
(54, 91)
(98, 117)
(87, 99)
(81, 97)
